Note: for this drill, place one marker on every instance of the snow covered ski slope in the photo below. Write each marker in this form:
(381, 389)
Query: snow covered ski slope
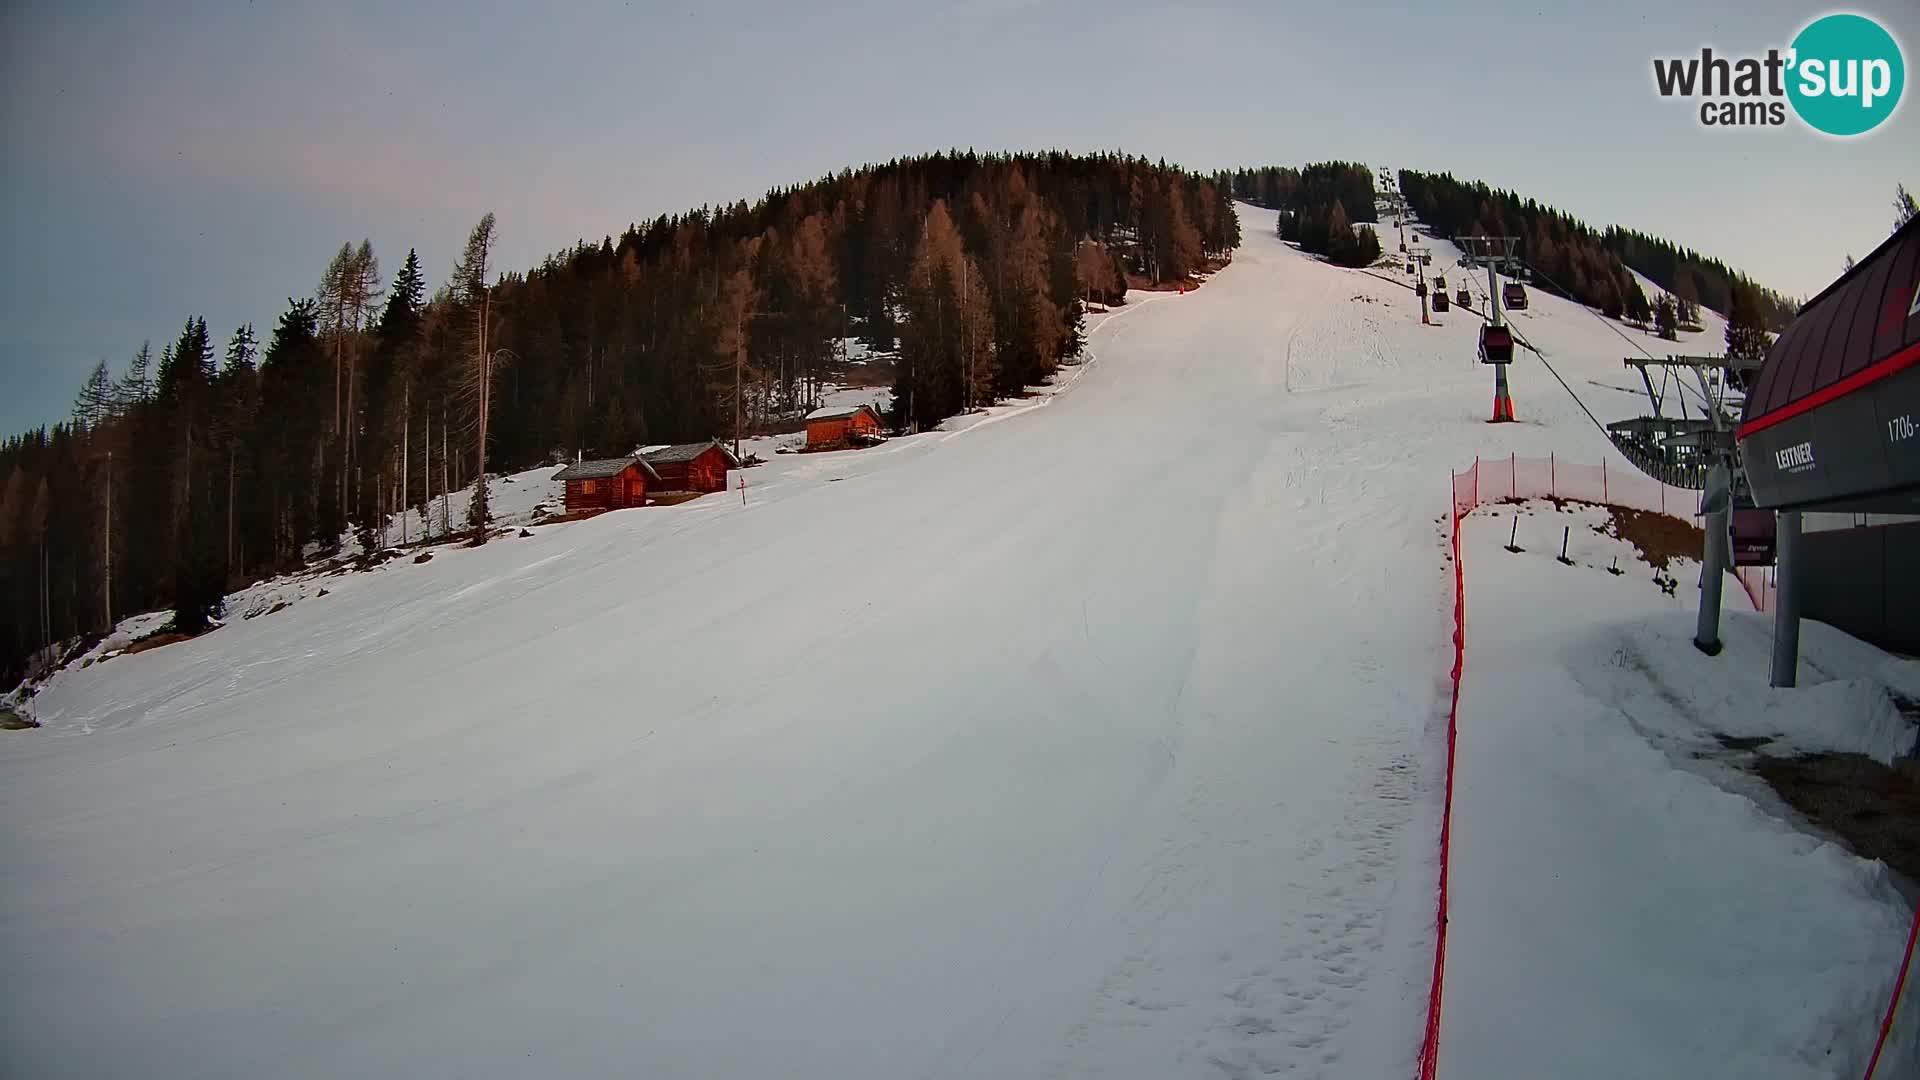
(1103, 741)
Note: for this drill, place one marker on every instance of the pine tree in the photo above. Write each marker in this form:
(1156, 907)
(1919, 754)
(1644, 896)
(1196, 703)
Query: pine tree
(1366, 247)
(948, 332)
(242, 348)
(135, 385)
(728, 369)
(95, 404)
(1904, 207)
(470, 290)
(294, 377)
(1686, 304)
(1030, 328)
(1637, 308)
(1183, 245)
(236, 393)
(184, 394)
(1665, 318)
(815, 283)
(1340, 243)
(389, 364)
(1747, 338)
(1098, 279)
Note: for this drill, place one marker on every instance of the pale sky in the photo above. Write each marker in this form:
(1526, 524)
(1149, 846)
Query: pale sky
(180, 159)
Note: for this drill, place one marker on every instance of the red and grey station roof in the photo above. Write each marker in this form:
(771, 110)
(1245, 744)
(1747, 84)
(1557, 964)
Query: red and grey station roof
(1833, 419)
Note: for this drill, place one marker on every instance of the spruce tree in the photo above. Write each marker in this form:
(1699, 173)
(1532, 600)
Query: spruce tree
(1638, 310)
(387, 365)
(470, 290)
(1747, 338)
(136, 385)
(1340, 247)
(94, 405)
(1664, 318)
(294, 381)
(237, 403)
(183, 391)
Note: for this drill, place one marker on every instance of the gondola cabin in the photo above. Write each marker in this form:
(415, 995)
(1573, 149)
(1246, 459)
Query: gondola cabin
(696, 466)
(1440, 281)
(1514, 295)
(1439, 300)
(1462, 297)
(1496, 344)
(607, 483)
(1751, 533)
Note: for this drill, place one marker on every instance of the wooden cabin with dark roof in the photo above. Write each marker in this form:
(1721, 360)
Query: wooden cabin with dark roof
(608, 483)
(837, 426)
(695, 466)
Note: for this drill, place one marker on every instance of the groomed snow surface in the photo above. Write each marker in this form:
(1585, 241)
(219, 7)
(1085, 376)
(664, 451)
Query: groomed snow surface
(1097, 735)
(1626, 901)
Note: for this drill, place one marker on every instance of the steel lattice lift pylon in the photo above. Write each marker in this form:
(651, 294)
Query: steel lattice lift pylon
(1698, 452)
(1496, 341)
(1680, 451)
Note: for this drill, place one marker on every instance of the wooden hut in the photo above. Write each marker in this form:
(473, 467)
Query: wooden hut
(608, 483)
(697, 466)
(833, 426)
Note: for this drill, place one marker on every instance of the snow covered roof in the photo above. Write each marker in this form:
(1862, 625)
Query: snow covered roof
(839, 412)
(602, 467)
(680, 453)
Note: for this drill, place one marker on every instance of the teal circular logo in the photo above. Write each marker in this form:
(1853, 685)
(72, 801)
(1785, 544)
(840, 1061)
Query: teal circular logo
(1845, 74)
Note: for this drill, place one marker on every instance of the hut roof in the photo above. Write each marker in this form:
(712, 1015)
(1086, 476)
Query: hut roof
(599, 468)
(840, 412)
(680, 453)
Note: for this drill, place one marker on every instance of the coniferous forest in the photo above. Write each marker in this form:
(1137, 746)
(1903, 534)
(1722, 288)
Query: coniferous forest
(205, 463)
(1574, 260)
(1327, 208)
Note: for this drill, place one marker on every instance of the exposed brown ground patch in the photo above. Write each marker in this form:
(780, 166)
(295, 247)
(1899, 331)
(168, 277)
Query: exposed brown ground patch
(1873, 808)
(155, 640)
(1659, 538)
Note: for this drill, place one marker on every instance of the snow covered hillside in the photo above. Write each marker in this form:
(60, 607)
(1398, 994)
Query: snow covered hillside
(1098, 736)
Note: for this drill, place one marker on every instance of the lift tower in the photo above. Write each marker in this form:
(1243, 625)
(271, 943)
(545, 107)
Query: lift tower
(1496, 254)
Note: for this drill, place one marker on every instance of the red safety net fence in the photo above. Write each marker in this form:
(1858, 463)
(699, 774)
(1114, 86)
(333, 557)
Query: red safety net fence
(1489, 480)
(1430, 1041)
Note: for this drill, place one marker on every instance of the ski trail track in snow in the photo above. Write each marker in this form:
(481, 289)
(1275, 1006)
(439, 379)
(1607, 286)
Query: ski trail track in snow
(1102, 742)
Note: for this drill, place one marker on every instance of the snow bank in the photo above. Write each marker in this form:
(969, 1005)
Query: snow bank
(1649, 671)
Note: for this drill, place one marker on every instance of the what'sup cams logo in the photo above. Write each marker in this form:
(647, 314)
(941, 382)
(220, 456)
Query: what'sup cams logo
(1842, 75)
